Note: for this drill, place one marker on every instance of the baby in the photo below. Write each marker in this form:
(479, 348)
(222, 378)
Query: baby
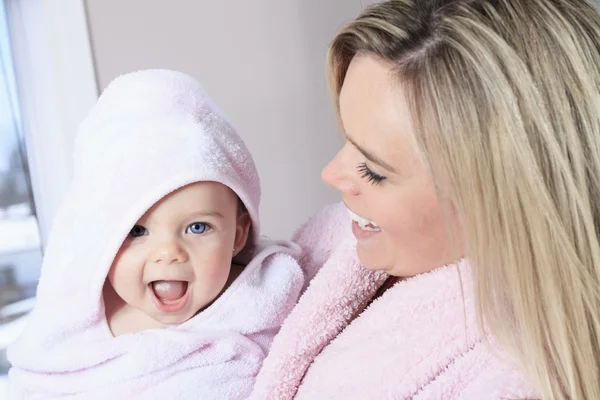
(155, 284)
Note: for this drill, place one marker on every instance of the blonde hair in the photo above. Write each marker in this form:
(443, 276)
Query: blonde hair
(506, 99)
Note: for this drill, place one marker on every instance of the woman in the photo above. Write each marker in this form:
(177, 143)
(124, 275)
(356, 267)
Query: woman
(471, 168)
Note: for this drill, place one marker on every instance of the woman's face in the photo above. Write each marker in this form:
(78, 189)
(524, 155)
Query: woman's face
(397, 219)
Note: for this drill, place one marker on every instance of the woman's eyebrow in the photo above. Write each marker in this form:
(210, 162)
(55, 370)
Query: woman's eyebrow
(371, 157)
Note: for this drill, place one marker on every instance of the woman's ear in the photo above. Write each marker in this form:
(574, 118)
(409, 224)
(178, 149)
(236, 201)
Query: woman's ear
(241, 233)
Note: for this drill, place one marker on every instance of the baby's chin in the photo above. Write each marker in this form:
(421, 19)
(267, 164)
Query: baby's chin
(171, 320)
(167, 319)
(180, 310)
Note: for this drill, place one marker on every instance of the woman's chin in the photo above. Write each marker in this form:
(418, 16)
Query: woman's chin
(370, 260)
(373, 261)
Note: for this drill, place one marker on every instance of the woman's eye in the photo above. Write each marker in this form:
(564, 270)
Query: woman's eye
(138, 231)
(197, 228)
(369, 175)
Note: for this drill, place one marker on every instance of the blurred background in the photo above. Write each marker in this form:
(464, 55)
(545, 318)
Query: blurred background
(262, 61)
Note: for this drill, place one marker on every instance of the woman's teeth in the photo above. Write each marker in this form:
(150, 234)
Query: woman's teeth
(364, 223)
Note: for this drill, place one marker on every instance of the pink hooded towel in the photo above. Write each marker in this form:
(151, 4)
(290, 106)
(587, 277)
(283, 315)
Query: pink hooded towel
(150, 133)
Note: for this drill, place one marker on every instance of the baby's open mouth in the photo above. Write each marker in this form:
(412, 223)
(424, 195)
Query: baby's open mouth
(169, 292)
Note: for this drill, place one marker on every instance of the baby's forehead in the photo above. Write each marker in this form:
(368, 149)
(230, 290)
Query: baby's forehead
(204, 198)
(202, 187)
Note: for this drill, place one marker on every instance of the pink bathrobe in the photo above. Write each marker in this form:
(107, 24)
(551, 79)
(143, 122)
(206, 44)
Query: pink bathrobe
(411, 343)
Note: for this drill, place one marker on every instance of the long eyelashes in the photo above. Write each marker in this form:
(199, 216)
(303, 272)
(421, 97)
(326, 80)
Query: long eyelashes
(369, 175)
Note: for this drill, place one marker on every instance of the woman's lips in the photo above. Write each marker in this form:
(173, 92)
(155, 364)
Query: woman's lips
(363, 222)
(362, 234)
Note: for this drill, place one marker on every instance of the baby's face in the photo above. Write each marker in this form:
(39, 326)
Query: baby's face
(177, 258)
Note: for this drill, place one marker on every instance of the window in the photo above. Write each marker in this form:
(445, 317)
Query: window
(20, 249)
(45, 53)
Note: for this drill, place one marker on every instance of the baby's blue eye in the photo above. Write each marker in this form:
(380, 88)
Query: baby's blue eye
(138, 231)
(197, 228)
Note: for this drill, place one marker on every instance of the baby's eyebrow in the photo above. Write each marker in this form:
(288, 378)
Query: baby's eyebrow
(203, 213)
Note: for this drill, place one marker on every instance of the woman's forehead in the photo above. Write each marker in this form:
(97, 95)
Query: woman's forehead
(374, 111)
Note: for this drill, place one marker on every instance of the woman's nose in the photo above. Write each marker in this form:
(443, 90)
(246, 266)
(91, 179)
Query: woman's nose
(340, 175)
(169, 252)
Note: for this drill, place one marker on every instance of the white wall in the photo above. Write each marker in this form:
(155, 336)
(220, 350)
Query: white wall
(262, 61)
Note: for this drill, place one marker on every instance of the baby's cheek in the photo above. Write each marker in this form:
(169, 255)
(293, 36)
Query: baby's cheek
(216, 271)
(112, 272)
(125, 273)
